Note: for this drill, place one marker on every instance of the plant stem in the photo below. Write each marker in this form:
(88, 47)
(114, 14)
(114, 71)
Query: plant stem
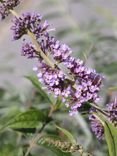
(99, 109)
(38, 49)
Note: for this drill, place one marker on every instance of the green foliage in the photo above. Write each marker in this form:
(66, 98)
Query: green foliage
(108, 69)
(68, 134)
(111, 138)
(10, 150)
(27, 121)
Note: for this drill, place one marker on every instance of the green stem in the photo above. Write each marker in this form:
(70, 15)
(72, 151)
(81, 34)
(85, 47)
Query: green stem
(38, 49)
(98, 108)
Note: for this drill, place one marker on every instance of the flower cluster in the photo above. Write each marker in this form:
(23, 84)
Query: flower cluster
(28, 50)
(96, 127)
(111, 111)
(29, 21)
(86, 82)
(6, 5)
(57, 82)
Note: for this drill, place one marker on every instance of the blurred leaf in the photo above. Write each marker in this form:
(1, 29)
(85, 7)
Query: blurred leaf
(107, 38)
(58, 103)
(27, 121)
(108, 69)
(68, 134)
(53, 15)
(65, 32)
(2, 92)
(10, 151)
(106, 13)
(111, 138)
(113, 88)
(36, 83)
(49, 3)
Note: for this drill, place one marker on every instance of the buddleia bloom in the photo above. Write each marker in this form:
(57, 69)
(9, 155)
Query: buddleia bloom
(111, 116)
(6, 5)
(85, 84)
(28, 21)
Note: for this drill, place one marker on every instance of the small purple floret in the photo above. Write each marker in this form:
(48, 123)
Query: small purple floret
(6, 5)
(28, 21)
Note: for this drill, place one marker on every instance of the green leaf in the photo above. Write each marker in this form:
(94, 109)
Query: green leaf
(27, 121)
(111, 138)
(36, 83)
(10, 150)
(68, 134)
(54, 144)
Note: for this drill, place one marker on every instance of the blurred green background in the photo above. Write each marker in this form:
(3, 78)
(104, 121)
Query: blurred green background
(90, 28)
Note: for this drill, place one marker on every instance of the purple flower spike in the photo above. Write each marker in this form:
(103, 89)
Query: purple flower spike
(29, 21)
(6, 5)
(96, 126)
(59, 51)
(86, 83)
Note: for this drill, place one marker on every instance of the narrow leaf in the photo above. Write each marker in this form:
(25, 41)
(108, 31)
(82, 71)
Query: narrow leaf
(68, 134)
(111, 138)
